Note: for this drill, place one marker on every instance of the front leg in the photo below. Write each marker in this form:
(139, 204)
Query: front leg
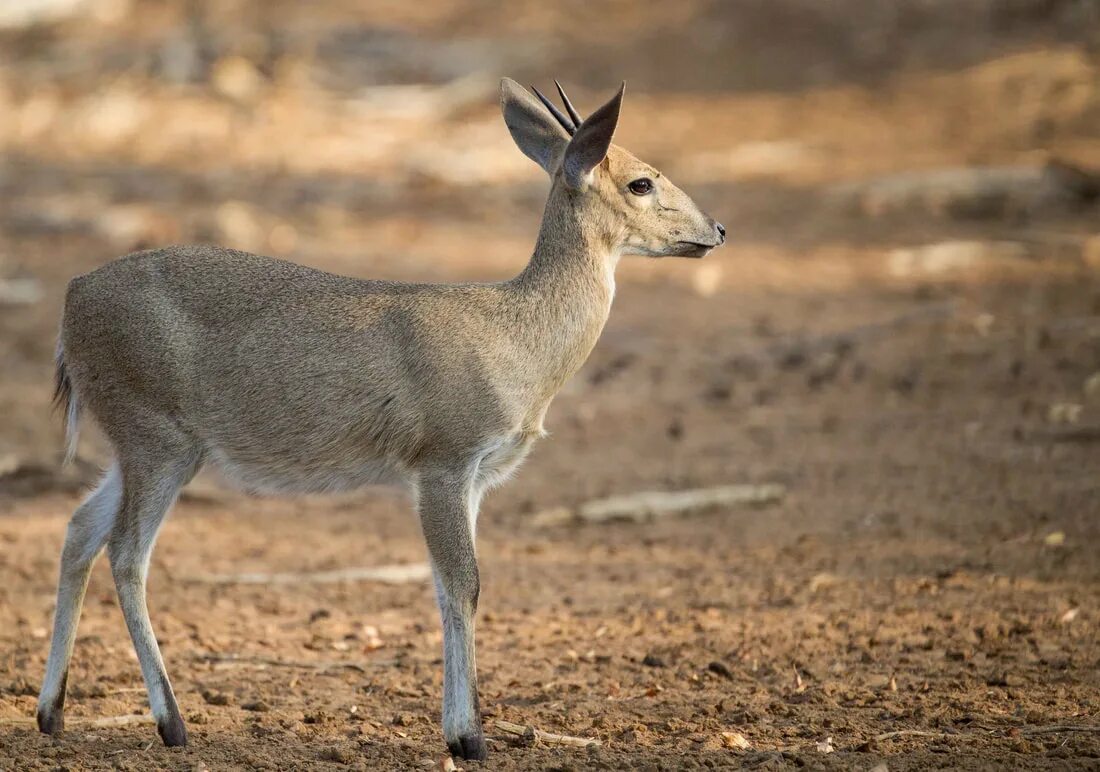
(448, 507)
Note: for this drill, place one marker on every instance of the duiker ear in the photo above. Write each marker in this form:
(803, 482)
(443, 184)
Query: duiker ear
(589, 145)
(535, 131)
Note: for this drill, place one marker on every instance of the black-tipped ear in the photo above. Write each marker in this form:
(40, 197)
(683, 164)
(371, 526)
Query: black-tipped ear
(589, 145)
(534, 130)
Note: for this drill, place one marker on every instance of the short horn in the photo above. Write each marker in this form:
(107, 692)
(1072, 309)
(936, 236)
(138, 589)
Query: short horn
(554, 111)
(569, 106)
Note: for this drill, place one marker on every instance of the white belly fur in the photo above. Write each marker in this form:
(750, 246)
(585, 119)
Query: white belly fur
(285, 479)
(496, 462)
(502, 457)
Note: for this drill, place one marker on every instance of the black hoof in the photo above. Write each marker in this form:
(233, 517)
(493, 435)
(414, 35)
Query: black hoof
(50, 722)
(173, 732)
(471, 747)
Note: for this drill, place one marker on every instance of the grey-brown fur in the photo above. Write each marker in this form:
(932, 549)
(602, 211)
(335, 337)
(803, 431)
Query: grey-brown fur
(292, 379)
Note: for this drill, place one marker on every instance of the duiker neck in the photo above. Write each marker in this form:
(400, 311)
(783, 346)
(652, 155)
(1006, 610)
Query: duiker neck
(564, 294)
(572, 249)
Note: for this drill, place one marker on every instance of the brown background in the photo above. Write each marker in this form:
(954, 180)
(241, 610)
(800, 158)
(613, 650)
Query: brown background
(904, 330)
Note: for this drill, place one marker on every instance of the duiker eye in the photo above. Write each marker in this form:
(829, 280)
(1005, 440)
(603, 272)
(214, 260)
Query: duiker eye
(641, 186)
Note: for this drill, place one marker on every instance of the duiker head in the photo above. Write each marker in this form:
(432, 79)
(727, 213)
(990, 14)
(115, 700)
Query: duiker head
(635, 207)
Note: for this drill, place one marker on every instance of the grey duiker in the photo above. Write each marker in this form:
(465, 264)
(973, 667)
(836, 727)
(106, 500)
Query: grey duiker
(289, 379)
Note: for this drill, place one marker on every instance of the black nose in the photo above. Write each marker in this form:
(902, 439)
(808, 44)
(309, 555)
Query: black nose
(721, 230)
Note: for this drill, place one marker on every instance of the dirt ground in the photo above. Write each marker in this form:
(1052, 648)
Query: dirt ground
(915, 358)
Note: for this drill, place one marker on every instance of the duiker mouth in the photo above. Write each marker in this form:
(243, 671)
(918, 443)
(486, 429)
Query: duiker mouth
(693, 249)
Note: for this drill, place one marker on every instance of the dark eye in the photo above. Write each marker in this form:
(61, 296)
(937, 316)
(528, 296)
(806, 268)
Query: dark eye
(641, 186)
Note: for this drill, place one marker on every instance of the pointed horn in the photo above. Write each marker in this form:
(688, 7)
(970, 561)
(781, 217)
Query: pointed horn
(554, 111)
(569, 106)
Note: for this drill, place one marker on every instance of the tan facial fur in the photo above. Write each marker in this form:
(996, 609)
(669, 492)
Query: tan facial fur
(663, 222)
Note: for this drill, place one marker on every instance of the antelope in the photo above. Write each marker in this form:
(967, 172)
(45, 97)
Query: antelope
(289, 379)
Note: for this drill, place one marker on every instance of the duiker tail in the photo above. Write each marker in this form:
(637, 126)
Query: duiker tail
(64, 396)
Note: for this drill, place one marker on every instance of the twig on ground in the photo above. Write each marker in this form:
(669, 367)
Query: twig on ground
(79, 722)
(240, 659)
(650, 505)
(531, 734)
(909, 733)
(1057, 729)
(1071, 323)
(1074, 434)
(395, 574)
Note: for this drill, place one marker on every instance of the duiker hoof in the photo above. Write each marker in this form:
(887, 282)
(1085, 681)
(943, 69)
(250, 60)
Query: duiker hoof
(50, 722)
(173, 732)
(471, 747)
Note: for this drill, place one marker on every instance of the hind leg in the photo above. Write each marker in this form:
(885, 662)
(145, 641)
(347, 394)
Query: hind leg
(87, 533)
(149, 490)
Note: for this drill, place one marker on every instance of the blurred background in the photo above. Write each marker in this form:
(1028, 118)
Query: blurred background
(903, 332)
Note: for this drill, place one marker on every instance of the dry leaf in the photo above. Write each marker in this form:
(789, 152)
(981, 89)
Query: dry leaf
(1055, 539)
(823, 581)
(372, 638)
(735, 740)
(826, 745)
(1064, 413)
(446, 764)
(1092, 385)
(236, 77)
(983, 323)
(1069, 616)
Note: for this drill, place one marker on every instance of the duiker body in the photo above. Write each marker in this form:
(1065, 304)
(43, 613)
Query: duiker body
(291, 379)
